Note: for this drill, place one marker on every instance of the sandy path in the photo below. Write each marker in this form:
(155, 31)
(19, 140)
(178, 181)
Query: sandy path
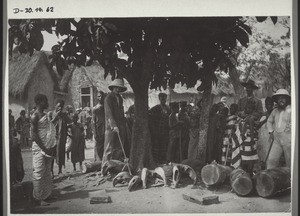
(75, 199)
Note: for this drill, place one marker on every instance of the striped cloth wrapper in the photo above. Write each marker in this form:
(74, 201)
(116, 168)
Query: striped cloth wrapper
(236, 152)
(249, 149)
(228, 139)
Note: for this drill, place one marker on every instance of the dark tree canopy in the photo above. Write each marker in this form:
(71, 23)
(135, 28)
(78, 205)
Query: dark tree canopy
(184, 49)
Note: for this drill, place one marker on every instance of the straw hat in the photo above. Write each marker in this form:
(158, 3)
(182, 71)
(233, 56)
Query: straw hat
(281, 92)
(249, 84)
(118, 83)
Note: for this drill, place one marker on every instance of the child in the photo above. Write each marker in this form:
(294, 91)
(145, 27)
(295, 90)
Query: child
(173, 152)
(78, 142)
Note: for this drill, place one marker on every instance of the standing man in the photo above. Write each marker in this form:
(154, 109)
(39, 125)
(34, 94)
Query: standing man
(115, 122)
(250, 88)
(60, 120)
(279, 127)
(99, 126)
(23, 128)
(159, 124)
(43, 148)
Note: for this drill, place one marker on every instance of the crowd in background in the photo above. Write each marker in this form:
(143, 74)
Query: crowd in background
(238, 135)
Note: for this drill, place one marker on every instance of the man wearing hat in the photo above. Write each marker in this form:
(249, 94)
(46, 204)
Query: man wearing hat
(250, 88)
(115, 122)
(279, 127)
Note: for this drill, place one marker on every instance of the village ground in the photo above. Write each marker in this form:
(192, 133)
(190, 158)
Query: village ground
(74, 189)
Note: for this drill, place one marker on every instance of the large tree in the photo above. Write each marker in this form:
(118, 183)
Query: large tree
(148, 52)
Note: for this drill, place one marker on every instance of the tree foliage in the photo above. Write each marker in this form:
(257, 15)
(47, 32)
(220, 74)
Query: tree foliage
(184, 49)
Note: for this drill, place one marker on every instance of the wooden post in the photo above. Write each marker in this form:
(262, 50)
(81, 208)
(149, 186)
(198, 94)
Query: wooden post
(215, 174)
(271, 181)
(241, 182)
(91, 167)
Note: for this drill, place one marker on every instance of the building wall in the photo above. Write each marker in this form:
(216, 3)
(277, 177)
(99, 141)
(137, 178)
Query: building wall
(78, 80)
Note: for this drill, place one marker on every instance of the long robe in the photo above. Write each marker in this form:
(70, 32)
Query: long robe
(42, 178)
(99, 131)
(78, 143)
(61, 138)
(159, 129)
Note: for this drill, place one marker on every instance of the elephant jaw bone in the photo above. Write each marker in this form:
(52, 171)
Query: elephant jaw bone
(134, 183)
(176, 176)
(121, 177)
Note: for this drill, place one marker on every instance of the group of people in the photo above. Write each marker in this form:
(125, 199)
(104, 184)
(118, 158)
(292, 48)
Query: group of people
(245, 136)
(20, 127)
(232, 136)
(174, 130)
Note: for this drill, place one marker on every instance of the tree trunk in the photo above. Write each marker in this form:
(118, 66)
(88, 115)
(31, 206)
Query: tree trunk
(91, 167)
(203, 124)
(64, 82)
(141, 151)
(235, 79)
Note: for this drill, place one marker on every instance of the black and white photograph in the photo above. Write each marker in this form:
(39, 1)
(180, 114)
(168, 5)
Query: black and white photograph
(149, 114)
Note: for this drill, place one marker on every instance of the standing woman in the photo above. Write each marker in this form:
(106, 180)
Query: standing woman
(43, 149)
(78, 142)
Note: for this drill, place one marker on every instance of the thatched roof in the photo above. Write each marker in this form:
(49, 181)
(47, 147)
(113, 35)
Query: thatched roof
(22, 69)
(95, 74)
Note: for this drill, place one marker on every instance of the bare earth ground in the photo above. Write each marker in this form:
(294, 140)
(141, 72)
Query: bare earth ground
(74, 189)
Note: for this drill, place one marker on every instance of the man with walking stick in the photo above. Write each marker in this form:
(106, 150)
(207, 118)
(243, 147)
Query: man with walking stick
(115, 123)
(279, 127)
